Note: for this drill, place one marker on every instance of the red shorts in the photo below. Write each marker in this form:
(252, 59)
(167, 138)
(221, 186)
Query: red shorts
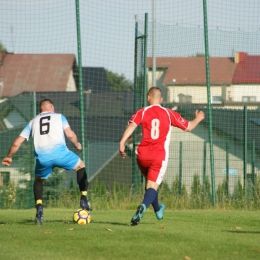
(153, 170)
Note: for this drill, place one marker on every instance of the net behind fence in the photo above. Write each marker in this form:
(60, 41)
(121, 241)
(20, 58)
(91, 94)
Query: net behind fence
(123, 46)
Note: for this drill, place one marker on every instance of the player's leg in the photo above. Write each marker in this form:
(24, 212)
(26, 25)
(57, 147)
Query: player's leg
(158, 208)
(149, 197)
(150, 193)
(155, 203)
(38, 190)
(72, 162)
(144, 167)
(83, 185)
(42, 172)
(156, 174)
(154, 178)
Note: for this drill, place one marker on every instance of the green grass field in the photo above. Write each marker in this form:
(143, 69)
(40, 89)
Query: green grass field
(184, 234)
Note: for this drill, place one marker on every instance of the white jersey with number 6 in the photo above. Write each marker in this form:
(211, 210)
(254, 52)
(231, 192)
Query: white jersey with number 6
(47, 130)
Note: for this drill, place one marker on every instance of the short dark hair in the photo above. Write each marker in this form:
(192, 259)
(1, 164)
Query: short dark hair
(43, 102)
(154, 90)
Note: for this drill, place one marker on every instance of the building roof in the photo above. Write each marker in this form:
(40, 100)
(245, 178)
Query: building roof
(35, 72)
(95, 79)
(248, 69)
(191, 70)
(106, 113)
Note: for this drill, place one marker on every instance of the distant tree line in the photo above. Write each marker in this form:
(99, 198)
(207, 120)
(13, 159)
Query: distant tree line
(2, 47)
(118, 82)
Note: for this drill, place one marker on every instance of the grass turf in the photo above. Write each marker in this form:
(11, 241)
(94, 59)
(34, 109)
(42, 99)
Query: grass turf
(185, 234)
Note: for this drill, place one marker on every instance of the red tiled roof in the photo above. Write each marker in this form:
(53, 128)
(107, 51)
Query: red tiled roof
(35, 72)
(191, 70)
(248, 70)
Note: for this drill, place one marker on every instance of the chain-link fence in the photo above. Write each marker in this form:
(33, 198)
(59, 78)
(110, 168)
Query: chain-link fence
(96, 60)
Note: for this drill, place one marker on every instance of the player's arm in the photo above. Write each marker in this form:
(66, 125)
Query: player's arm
(199, 116)
(128, 132)
(72, 137)
(7, 161)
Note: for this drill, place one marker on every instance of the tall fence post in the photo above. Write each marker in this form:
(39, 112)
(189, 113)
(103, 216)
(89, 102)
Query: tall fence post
(140, 88)
(253, 163)
(204, 170)
(209, 102)
(180, 170)
(145, 59)
(227, 169)
(134, 171)
(253, 169)
(245, 151)
(33, 112)
(82, 121)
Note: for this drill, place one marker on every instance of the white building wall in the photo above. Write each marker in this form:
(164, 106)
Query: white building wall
(238, 91)
(71, 85)
(198, 93)
(15, 176)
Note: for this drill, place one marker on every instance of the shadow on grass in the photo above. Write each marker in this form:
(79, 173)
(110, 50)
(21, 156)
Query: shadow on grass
(119, 223)
(49, 221)
(242, 232)
(110, 223)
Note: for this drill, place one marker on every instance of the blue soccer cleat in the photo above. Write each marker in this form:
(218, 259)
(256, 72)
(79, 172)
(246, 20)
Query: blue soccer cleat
(138, 215)
(84, 204)
(39, 216)
(159, 213)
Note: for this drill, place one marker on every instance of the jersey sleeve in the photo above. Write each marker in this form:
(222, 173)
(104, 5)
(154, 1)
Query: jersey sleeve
(26, 131)
(178, 121)
(65, 123)
(137, 117)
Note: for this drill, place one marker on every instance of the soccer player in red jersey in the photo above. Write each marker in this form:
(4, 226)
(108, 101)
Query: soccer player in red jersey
(153, 151)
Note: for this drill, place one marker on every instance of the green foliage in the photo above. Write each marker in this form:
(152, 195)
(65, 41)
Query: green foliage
(206, 192)
(116, 197)
(101, 196)
(26, 158)
(200, 55)
(239, 196)
(2, 47)
(68, 197)
(10, 195)
(118, 82)
(53, 188)
(223, 199)
(199, 197)
(24, 198)
(196, 193)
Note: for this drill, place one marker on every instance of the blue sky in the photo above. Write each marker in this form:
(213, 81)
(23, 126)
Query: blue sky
(107, 28)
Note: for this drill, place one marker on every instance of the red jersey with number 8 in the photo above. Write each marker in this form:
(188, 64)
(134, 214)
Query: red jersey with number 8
(156, 124)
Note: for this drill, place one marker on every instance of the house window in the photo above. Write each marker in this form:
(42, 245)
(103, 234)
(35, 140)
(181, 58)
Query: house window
(4, 178)
(249, 98)
(216, 99)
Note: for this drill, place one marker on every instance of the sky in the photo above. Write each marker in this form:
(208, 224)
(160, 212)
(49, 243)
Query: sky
(107, 28)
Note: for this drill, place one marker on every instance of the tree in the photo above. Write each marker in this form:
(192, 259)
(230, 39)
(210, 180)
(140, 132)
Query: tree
(118, 82)
(2, 47)
(200, 55)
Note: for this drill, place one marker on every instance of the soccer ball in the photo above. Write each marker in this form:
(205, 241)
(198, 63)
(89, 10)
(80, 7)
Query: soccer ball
(82, 217)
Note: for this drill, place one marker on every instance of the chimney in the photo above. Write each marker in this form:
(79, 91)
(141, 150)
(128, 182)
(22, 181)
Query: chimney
(240, 56)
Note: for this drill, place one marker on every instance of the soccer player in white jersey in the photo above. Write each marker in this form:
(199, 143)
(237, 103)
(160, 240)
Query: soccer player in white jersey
(153, 151)
(47, 130)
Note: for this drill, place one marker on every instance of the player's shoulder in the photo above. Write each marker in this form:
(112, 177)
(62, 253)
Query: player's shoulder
(140, 110)
(157, 107)
(169, 110)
